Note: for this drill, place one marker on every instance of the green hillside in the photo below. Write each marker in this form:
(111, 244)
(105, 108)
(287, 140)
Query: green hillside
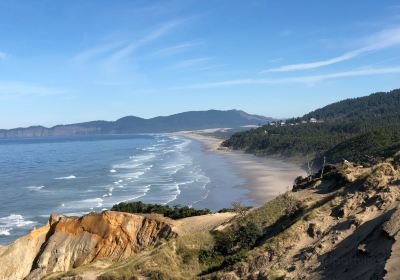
(361, 130)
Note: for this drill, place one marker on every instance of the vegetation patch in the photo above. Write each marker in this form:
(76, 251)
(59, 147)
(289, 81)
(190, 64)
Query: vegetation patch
(233, 244)
(177, 259)
(175, 212)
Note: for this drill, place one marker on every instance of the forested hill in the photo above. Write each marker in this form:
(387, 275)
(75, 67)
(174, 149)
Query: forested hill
(361, 130)
(183, 121)
(372, 106)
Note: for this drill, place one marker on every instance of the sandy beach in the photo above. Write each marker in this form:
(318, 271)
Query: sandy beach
(265, 178)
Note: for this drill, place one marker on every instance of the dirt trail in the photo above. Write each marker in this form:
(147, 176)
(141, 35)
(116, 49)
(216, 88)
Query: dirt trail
(201, 223)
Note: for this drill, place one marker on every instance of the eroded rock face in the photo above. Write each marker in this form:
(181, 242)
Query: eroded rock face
(17, 258)
(69, 242)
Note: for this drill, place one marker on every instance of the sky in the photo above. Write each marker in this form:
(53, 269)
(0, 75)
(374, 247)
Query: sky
(72, 61)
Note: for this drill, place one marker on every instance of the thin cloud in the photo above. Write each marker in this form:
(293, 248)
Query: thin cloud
(302, 79)
(178, 48)
(15, 89)
(95, 52)
(190, 62)
(152, 36)
(3, 55)
(211, 67)
(379, 41)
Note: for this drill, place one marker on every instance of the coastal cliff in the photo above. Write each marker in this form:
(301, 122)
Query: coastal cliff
(69, 242)
(339, 223)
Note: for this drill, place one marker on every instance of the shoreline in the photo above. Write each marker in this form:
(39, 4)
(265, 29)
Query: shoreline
(265, 178)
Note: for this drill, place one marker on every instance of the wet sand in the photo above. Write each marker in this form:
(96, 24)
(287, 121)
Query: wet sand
(265, 178)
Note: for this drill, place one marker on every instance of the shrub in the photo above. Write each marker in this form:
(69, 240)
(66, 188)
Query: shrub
(235, 239)
(176, 212)
(248, 235)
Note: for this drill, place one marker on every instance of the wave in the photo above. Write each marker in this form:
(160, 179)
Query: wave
(113, 171)
(75, 214)
(183, 143)
(35, 188)
(149, 167)
(142, 158)
(187, 182)
(126, 165)
(83, 204)
(5, 231)
(12, 221)
(70, 177)
(173, 192)
(201, 199)
(151, 149)
(130, 176)
(143, 191)
(175, 167)
(98, 201)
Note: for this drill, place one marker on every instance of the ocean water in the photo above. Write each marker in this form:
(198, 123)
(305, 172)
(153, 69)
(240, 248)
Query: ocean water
(79, 175)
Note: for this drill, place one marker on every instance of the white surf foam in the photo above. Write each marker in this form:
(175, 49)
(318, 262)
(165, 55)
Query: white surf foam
(142, 158)
(182, 144)
(5, 231)
(66, 178)
(127, 165)
(98, 202)
(131, 176)
(14, 220)
(35, 188)
(113, 171)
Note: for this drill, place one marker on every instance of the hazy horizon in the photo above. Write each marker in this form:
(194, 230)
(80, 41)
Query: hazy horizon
(70, 62)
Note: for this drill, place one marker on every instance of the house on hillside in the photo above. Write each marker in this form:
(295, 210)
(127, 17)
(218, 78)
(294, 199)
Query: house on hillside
(313, 120)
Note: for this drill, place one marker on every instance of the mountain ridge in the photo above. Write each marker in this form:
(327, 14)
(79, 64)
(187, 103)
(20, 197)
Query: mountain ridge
(190, 120)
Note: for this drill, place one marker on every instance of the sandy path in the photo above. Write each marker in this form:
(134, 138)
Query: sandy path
(201, 223)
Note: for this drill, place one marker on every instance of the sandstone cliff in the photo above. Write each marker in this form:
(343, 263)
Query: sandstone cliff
(69, 242)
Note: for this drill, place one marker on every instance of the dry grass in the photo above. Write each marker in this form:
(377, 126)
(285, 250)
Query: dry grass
(177, 259)
(270, 212)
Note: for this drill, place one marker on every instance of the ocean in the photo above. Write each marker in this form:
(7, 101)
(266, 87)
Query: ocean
(78, 175)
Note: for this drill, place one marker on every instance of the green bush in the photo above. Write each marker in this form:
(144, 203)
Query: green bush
(176, 212)
(233, 210)
(230, 247)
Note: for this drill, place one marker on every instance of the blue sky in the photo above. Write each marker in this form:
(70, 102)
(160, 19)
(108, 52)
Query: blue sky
(71, 61)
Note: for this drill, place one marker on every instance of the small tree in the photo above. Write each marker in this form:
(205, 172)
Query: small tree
(292, 205)
(323, 167)
(248, 235)
(239, 208)
(309, 169)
